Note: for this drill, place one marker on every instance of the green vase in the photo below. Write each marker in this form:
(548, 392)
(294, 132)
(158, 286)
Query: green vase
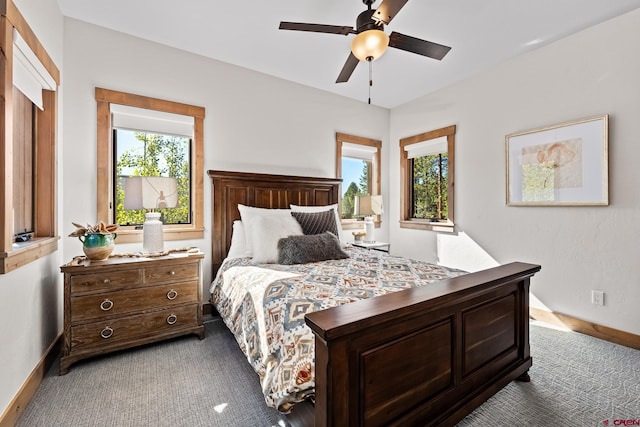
(98, 246)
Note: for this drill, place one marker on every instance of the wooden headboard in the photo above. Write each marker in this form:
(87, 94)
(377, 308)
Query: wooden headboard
(263, 191)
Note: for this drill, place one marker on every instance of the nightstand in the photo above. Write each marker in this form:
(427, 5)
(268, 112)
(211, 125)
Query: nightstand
(377, 246)
(125, 302)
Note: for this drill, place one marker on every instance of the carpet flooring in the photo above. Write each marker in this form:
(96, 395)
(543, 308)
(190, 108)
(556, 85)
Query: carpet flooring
(576, 380)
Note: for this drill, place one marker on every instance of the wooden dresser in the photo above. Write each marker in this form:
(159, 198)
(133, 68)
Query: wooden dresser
(125, 302)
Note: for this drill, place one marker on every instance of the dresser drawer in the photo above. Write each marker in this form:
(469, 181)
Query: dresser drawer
(171, 273)
(100, 282)
(105, 333)
(90, 307)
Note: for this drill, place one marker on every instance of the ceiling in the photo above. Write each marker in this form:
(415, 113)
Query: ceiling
(481, 33)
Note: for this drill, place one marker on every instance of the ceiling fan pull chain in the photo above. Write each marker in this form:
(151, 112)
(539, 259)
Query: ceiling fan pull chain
(369, 60)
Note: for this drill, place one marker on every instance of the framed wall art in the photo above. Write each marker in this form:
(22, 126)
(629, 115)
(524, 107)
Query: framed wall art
(561, 165)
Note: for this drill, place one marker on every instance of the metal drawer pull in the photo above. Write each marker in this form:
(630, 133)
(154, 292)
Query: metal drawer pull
(106, 305)
(173, 273)
(172, 294)
(172, 319)
(106, 281)
(107, 332)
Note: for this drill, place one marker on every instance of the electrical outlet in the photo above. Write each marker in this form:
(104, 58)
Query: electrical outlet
(597, 297)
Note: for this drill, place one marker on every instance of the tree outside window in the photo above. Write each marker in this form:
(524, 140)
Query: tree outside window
(429, 191)
(150, 154)
(354, 189)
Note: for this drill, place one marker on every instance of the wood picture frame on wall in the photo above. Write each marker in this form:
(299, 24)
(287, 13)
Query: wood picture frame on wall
(559, 165)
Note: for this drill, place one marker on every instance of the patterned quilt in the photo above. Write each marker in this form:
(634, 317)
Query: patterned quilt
(264, 307)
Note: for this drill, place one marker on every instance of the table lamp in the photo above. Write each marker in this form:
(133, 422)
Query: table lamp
(151, 192)
(368, 206)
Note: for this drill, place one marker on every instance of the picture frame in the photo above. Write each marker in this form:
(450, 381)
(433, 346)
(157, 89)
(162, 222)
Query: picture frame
(559, 165)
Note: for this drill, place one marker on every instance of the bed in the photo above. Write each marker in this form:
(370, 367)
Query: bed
(425, 355)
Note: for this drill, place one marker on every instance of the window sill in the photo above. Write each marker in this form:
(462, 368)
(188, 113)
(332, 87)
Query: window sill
(419, 224)
(355, 225)
(24, 253)
(135, 236)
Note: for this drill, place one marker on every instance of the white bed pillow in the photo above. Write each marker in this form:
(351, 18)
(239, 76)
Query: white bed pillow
(264, 227)
(239, 247)
(298, 208)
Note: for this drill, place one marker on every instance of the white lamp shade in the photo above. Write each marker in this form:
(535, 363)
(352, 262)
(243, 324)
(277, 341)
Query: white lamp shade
(368, 205)
(150, 192)
(369, 44)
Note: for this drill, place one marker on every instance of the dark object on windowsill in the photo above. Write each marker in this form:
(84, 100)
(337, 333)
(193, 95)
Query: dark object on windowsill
(23, 237)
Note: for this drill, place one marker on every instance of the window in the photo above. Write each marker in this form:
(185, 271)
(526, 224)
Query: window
(358, 164)
(23, 149)
(28, 142)
(148, 137)
(427, 169)
(165, 153)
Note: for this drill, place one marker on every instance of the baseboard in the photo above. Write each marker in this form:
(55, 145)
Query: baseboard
(29, 388)
(588, 328)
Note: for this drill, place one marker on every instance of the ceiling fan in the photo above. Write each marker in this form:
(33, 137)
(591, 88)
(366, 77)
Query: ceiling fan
(371, 41)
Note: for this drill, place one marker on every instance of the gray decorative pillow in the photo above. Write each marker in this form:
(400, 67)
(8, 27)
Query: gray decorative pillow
(309, 248)
(317, 222)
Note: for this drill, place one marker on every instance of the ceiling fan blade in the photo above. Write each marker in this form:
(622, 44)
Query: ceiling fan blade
(419, 46)
(388, 10)
(348, 68)
(316, 28)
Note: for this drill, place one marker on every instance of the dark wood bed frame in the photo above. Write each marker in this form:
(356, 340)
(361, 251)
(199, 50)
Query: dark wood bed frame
(424, 356)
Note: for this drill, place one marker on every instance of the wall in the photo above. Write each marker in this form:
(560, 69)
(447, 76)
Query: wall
(580, 248)
(31, 296)
(253, 122)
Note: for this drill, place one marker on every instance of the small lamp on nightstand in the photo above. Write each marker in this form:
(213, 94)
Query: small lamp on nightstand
(368, 206)
(151, 192)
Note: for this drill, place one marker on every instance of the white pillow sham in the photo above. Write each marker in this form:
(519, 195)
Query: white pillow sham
(264, 227)
(239, 247)
(299, 208)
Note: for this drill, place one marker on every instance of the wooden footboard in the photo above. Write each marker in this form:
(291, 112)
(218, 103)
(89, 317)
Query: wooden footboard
(423, 356)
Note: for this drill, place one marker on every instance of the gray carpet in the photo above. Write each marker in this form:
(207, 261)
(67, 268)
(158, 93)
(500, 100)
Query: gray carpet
(180, 382)
(576, 381)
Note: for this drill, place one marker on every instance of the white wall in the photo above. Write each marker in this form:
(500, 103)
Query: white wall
(592, 73)
(253, 122)
(31, 296)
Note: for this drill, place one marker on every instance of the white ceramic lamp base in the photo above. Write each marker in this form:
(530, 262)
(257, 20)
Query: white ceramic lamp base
(152, 233)
(369, 226)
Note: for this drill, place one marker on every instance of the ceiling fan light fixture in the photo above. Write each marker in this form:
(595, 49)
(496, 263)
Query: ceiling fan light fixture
(369, 45)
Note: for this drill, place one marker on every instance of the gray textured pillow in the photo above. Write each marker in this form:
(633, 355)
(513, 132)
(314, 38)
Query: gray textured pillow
(309, 248)
(317, 222)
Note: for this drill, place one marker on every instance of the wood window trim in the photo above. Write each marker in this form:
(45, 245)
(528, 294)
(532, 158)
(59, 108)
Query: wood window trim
(377, 162)
(45, 239)
(105, 97)
(405, 178)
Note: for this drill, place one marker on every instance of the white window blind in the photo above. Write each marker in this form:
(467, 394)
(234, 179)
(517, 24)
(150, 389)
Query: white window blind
(152, 121)
(358, 151)
(29, 75)
(426, 148)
